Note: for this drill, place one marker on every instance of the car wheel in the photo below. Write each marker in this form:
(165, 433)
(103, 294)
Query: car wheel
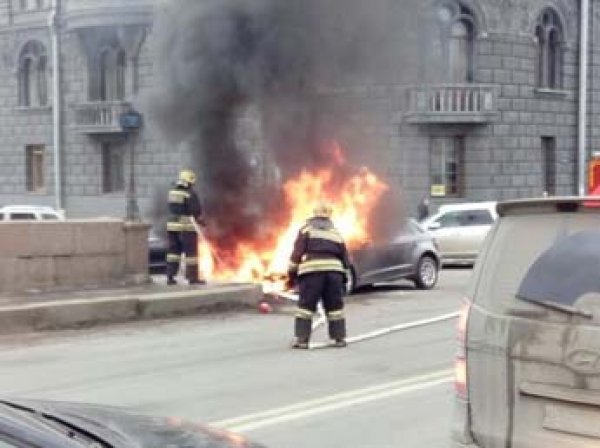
(427, 272)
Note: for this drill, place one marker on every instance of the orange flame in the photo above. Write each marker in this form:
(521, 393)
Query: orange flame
(353, 201)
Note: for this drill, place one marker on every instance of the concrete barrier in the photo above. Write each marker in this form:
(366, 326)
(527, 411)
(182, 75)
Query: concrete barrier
(75, 313)
(57, 254)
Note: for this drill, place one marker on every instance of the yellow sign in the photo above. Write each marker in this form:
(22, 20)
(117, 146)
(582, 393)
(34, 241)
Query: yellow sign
(438, 190)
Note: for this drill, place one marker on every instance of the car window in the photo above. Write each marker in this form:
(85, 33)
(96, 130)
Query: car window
(450, 219)
(532, 239)
(49, 217)
(476, 218)
(1, 216)
(22, 216)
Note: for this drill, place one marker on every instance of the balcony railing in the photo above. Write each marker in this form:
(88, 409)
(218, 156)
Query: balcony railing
(452, 103)
(100, 117)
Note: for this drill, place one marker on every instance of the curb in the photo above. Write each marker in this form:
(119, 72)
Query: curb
(66, 314)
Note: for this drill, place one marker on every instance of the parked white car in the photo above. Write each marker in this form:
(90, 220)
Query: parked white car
(460, 229)
(29, 213)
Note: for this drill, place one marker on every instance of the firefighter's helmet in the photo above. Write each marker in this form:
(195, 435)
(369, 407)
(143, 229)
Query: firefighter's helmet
(187, 176)
(323, 210)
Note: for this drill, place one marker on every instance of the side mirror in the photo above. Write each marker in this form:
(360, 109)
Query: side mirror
(434, 226)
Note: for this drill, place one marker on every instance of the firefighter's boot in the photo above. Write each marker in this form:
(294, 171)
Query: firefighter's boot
(302, 330)
(337, 327)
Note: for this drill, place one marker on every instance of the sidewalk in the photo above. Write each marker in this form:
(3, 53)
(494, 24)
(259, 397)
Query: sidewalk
(40, 311)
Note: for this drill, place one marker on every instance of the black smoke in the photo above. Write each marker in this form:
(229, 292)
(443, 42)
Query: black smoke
(216, 57)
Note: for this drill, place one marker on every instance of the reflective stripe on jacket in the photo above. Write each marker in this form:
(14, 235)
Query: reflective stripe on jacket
(319, 247)
(183, 207)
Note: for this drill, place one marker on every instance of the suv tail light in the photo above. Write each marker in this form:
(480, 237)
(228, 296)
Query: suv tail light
(460, 363)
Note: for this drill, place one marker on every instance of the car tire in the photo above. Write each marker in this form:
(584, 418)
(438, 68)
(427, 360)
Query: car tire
(427, 272)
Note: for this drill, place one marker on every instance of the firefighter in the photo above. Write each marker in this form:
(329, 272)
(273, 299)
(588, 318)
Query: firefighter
(320, 265)
(183, 228)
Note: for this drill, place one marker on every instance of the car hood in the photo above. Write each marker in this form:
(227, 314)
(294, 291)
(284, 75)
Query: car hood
(125, 428)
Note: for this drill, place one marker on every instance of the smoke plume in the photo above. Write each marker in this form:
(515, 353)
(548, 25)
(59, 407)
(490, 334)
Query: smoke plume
(217, 58)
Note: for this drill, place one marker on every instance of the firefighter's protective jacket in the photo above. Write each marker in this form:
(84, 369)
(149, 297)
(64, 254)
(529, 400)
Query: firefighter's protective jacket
(319, 247)
(184, 206)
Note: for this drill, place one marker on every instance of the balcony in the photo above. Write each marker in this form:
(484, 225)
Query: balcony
(100, 117)
(453, 103)
(93, 13)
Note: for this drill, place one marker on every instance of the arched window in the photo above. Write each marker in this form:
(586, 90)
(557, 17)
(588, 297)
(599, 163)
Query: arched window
(458, 41)
(549, 36)
(33, 75)
(111, 74)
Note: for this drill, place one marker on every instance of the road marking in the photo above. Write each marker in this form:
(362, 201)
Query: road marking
(383, 331)
(334, 402)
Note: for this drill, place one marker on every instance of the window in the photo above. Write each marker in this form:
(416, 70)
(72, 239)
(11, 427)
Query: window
(450, 219)
(476, 218)
(549, 36)
(49, 217)
(446, 166)
(33, 79)
(112, 168)
(458, 41)
(111, 68)
(549, 165)
(22, 216)
(34, 172)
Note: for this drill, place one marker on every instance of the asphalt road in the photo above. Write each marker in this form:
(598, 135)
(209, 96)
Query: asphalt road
(237, 372)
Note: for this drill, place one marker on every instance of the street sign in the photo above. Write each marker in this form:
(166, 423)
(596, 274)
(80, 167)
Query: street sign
(130, 120)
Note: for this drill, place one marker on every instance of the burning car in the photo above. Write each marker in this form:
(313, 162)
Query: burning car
(412, 255)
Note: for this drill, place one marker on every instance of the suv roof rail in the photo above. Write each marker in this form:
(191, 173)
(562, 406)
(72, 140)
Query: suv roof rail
(557, 203)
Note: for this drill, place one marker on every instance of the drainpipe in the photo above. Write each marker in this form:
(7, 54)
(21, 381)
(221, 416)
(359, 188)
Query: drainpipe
(583, 72)
(54, 24)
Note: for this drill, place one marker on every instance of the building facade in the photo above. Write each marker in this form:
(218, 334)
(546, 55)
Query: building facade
(492, 113)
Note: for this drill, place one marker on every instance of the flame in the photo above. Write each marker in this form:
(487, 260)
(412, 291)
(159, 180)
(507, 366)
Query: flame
(353, 200)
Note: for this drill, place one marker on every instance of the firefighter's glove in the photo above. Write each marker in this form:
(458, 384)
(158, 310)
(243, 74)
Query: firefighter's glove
(292, 279)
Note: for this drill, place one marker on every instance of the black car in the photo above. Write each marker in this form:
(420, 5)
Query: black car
(73, 425)
(413, 255)
(157, 251)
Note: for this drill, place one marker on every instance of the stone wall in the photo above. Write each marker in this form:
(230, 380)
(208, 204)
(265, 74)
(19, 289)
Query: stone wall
(50, 255)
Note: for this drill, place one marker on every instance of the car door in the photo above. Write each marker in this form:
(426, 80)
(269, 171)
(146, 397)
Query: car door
(383, 261)
(475, 225)
(447, 232)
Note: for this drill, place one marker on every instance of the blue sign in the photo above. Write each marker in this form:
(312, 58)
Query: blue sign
(131, 120)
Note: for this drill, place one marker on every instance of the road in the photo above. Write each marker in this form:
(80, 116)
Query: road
(237, 372)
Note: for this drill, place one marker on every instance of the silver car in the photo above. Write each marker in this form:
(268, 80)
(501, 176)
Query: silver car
(460, 229)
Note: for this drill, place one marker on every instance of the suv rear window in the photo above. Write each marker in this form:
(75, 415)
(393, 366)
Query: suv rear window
(516, 244)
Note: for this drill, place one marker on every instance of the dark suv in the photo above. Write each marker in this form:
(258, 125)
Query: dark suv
(528, 360)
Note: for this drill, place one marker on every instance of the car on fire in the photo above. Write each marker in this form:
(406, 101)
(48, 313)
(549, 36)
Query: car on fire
(528, 355)
(412, 255)
(28, 423)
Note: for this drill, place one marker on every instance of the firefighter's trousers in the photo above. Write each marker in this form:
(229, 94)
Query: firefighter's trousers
(327, 286)
(183, 242)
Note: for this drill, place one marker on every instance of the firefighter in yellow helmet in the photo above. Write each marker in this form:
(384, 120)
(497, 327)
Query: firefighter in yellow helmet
(320, 264)
(185, 217)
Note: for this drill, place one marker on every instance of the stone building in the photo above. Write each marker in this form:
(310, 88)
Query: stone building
(491, 114)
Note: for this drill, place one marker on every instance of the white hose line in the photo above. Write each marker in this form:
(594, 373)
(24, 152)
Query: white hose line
(384, 331)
